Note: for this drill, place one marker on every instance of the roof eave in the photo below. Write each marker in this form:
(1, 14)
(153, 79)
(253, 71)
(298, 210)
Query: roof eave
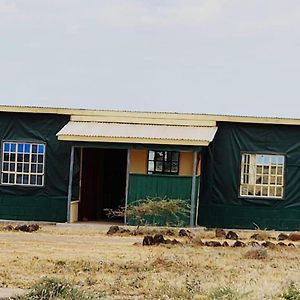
(131, 140)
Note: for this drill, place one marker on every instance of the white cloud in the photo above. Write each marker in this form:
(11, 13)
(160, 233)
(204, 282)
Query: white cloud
(142, 13)
(197, 12)
(7, 7)
(274, 22)
(221, 17)
(74, 29)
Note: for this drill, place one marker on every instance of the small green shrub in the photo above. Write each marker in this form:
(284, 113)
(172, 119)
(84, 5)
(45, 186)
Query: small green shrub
(171, 211)
(224, 293)
(53, 288)
(292, 293)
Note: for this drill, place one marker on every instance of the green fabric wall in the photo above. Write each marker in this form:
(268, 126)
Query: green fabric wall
(142, 186)
(46, 203)
(220, 204)
(37, 208)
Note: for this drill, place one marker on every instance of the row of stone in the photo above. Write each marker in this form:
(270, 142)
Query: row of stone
(22, 227)
(231, 235)
(159, 239)
(266, 244)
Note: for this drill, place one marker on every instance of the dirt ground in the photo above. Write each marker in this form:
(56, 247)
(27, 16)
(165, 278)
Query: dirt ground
(116, 269)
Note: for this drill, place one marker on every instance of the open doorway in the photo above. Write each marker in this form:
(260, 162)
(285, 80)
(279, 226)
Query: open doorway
(103, 182)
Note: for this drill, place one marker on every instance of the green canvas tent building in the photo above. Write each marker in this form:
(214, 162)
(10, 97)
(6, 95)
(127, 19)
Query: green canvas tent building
(67, 165)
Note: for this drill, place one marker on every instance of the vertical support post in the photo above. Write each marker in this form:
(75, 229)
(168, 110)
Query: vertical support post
(70, 184)
(127, 185)
(80, 173)
(193, 192)
(198, 192)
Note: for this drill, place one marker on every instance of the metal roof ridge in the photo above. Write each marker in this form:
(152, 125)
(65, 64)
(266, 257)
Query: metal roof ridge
(143, 124)
(69, 110)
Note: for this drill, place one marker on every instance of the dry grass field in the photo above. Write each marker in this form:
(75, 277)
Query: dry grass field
(113, 268)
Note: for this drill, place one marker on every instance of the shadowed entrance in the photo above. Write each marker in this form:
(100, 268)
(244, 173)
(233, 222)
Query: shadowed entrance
(103, 182)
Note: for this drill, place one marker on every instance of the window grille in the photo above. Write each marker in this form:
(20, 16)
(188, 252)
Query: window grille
(23, 163)
(262, 175)
(163, 162)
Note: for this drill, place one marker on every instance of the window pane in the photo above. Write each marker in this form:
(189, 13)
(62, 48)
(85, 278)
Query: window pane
(265, 191)
(159, 156)
(278, 192)
(280, 159)
(167, 168)
(40, 168)
(151, 155)
(13, 147)
(25, 179)
(12, 178)
(33, 168)
(19, 179)
(34, 158)
(39, 180)
(5, 166)
(19, 167)
(258, 179)
(168, 156)
(34, 148)
(266, 169)
(273, 180)
(26, 168)
(6, 147)
(150, 166)
(27, 148)
(41, 149)
(20, 148)
(175, 156)
(33, 179)
(259, 169)
(272, 191)
(5, 178)
(274, 159)
(159, 166)
(244, 191)
(174, 168)
(266, 159)
(265, 180)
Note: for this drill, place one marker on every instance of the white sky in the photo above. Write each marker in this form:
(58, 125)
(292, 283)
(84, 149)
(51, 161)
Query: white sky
(205, 56)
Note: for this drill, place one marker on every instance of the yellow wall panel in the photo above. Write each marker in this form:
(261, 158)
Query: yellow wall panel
(138, 161)
(186, 163)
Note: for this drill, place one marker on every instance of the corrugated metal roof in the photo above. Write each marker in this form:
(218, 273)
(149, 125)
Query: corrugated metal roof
(121, 131)
(195, 117)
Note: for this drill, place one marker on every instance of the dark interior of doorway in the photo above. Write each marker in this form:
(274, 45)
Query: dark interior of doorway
(103, 182)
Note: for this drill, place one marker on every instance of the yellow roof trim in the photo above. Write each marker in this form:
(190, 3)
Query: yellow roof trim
(143, 120)
(131, 140)
(192, 119)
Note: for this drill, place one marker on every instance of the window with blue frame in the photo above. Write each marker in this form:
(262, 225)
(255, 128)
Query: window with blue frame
(23, 163)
